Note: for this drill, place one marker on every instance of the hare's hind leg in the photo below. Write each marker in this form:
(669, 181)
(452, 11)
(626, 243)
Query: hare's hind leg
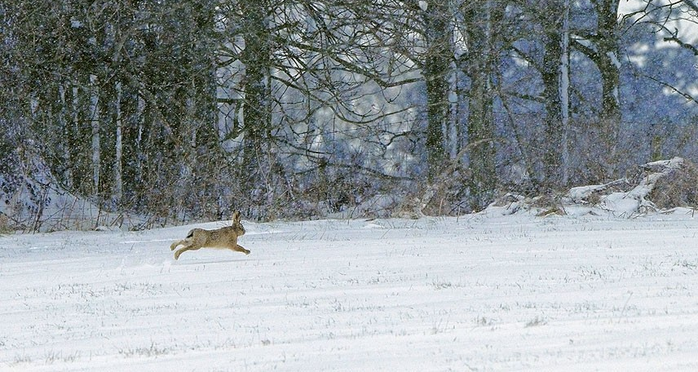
(189, 247)
(177, 243)
(189, 240)
(240, 248)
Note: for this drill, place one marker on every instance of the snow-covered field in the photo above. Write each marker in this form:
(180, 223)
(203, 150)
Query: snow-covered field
(482, 292)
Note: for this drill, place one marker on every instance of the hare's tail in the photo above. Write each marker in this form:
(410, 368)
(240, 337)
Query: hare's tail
(191, 233)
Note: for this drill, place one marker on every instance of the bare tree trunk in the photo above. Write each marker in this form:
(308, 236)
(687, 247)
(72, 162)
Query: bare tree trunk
(94, 120)
(609, 65)
(436, 69)
(551, 74)
(118, 165)
(565, 91)
(608, 60)
(479, 20)
(601, 46)
(64, 151)
(454, 139)
(555, 74)
(76, 154)
(256, 106)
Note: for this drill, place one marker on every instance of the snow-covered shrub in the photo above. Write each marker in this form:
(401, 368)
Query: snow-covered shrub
(678, 185)
(658, 185)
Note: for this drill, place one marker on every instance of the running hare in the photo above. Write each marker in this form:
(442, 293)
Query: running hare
(225, 238)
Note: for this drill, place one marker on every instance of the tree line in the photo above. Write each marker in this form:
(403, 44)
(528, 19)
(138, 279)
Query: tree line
(189, 109)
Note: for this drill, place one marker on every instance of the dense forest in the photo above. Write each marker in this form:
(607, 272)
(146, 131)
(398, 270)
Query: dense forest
(186, 110)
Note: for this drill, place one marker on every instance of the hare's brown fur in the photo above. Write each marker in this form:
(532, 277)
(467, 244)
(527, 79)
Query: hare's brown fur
(223, 238)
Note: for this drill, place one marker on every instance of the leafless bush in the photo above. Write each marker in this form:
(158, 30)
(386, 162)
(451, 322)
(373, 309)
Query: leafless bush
(448, 193)
(679, 188)
(4, 224)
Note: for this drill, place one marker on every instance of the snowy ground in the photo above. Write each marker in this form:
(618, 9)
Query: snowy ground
(481, 292)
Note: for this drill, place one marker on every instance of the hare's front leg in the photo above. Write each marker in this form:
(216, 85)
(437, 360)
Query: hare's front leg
(240, 248)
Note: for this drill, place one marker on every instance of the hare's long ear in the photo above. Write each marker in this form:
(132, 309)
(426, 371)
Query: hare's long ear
(236, 216)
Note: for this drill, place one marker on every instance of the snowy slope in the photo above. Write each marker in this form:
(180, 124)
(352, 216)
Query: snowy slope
(482, 292)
